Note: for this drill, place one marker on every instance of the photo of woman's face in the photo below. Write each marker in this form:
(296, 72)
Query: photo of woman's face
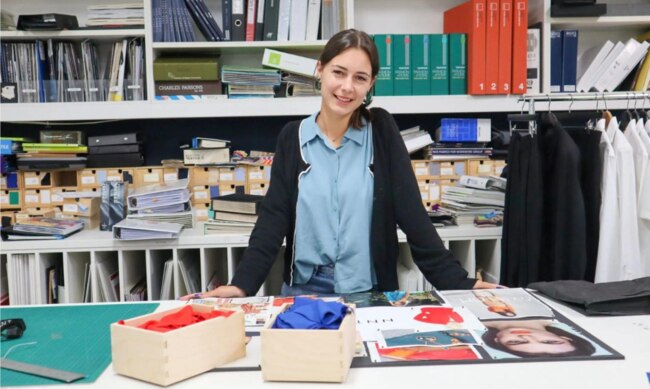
(527, 340)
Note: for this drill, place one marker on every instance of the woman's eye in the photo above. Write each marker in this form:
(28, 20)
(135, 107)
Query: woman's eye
(552, 342)
(361, 79)
(338, 72)
(515, 342)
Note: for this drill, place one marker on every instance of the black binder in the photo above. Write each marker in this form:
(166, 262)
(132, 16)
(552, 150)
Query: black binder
(238, 24)
(52, 22)
(117, 139)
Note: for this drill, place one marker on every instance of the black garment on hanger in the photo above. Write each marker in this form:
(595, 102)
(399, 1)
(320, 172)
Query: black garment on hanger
(563, 251)
(591, 174)
(522, 221)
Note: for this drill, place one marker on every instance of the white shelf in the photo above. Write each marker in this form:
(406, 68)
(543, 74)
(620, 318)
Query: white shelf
(95, 240)
(602, 22)
(98, 34)
(238, 47)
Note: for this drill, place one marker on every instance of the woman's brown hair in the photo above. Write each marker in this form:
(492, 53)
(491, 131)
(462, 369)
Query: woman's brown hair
(349, 39)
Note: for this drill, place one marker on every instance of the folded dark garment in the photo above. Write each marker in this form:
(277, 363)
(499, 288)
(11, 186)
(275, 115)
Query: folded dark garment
(608, 298)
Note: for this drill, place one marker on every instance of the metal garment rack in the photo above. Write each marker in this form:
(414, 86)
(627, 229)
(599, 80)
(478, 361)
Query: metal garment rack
(595, 96)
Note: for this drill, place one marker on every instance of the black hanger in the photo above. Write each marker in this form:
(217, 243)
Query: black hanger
(529, 119)
(626, 117)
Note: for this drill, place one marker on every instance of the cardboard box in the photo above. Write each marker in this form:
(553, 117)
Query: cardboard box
(89, 178)
(231, 187)
(200, 194)
(201, 211)
(11, 199)
(257, 188)
(421, 168)
(148, 176)
(308, 355)
(204, 175)
(236, 174)
(35, 212)
(56, 197)
(172, 174)
(120, 175)
(259, 173)
(84, 206)
(480, 167)
(169, 357)
(48, 179)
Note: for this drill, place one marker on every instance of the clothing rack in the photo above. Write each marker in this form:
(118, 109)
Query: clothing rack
(590, 96)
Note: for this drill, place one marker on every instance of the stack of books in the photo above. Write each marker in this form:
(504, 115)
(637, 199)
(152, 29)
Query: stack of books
(168, 203)
(474, 197)
(187, 78)
(115, 150)
(233, 213)
(298, 73)
(244, 82)
(207, 151)
(43, 156)
(461, 138)
(415, 139)
(41, 228)
(116, 15)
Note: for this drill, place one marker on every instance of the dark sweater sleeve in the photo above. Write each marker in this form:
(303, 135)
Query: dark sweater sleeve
(272, 221)
(437, 263)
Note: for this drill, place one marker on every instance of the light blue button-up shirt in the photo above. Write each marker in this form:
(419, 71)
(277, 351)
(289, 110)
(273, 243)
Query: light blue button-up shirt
(334, 209)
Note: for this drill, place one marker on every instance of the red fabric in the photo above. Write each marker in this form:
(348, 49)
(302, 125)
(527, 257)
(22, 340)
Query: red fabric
(181, 318)
(439, 315)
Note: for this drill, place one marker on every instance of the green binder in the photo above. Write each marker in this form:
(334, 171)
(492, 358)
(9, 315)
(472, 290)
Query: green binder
(420, 73)
(384, 82)
(457, 64)
(439, 64)
(402, 65)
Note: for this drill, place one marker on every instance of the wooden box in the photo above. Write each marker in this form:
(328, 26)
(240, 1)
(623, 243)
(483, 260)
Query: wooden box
(169, 357)
(308, 355)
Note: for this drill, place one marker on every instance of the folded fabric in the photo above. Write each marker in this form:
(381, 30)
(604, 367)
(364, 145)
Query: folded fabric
(313, 314)
(181, 318)
(608, 298)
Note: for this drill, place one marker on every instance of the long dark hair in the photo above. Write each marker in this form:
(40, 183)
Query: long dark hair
(348, 39)
(582, 347)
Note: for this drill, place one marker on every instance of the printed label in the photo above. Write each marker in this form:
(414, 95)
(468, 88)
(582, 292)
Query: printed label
(151, 177)
(70, 208)
(31, 181)
(87, 179)
(226, 176)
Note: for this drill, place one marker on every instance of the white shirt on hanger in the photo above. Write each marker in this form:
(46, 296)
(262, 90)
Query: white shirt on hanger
(627, 265)
(640, 154)
(644, 206)
(609, 252)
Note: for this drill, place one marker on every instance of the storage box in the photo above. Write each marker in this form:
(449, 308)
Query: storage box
(84, 206)
(480, 167)
(308, 355)
(204, 175)
(169, 357)
(236, 174)
(257, 188)
(148, 176)
(201, 211)
(259, 173)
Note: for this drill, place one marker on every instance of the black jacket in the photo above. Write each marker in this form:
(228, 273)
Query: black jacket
(396, 201)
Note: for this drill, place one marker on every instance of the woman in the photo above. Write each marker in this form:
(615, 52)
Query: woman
(341, 182)
(535, 338)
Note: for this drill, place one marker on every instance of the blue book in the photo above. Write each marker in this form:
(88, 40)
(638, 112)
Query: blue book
(226, 11)
(465, 130)
(212, 23)
(569, 60)
(556, 61)
(6, 146)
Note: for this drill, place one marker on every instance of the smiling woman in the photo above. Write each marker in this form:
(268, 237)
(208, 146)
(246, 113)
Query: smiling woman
(340, 185)
(535, 338)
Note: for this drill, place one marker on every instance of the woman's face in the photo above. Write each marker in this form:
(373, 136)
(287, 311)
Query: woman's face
(345, 81)
(533, 341)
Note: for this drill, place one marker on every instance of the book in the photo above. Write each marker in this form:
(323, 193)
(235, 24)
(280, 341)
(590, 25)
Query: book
(457, 64)
(505, 47)
(209, 143)
(420, 67)
(469, 18)
(211, 156)
(569, 60)
(402, 65)
(556, 61)
(45, 225)
(137, 229)
(251, 10)
(186, 69)
(384, 82)
(533, 61)
(588, 62)
(289, 62)
(224, 226)
(439, 64)
(465, 130)
(235, 217)
(298, 20)
(642, 81)
(271, 12)
(519, 46)
(492, 46)
(240, 203)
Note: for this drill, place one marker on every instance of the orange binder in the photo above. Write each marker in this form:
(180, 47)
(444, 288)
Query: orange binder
(469, 18)
(492, 47)
(505, 47)
(519, 45)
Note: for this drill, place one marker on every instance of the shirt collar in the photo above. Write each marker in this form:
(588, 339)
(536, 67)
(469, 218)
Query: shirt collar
(311, 131)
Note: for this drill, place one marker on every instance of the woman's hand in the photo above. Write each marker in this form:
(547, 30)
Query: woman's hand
(222, 291)
(486, 285)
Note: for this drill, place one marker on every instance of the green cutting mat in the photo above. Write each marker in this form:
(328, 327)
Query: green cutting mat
(69, 337)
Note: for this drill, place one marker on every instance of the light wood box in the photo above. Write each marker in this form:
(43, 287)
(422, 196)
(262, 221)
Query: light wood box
(169, 357)
(149, 175)
(308, 355)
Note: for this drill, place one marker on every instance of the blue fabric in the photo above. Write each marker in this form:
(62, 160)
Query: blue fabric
(395, 295)
(334, 208)
(312, 314)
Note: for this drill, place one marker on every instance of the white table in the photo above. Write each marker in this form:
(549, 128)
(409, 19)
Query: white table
(629, 335)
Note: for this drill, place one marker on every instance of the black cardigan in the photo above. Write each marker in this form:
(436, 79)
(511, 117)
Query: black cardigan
(396, 201)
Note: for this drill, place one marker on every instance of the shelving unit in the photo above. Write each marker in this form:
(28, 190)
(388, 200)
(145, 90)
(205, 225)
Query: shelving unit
(372, 16)
(475, 248)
